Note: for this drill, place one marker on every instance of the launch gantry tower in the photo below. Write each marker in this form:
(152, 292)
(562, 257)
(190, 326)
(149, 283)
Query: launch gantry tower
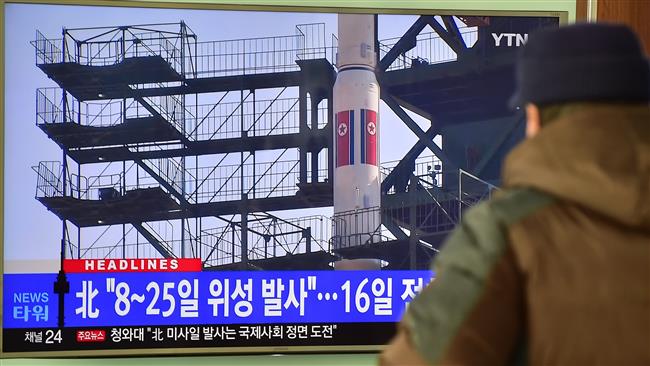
(175, 147)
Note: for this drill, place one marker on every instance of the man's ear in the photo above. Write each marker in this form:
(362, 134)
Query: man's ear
(533, 120)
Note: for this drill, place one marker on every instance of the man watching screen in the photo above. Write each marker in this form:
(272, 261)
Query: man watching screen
(556, 269)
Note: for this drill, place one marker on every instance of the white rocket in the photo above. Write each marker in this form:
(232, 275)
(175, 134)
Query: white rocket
(356, 133)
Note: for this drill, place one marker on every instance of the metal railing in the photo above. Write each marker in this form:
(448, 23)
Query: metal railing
(247, 56)
(472, 190)
(50, 182)
(216, 183)
(312, 41)
(104, 46)
(49, 106)
(109, 46)
(222, 120)
(429, 49)
(357, 227)
(118, 250)
(163, 231)
(49, 109)
(251, 118)
(217, 246)
(71, 250)
(426, 210)
(261, 180)
(170, 170)
(431, 214)
(268, 237)
(427, 168)
(333, 49)
(262, 54)
(230, 57)
(47, 50)
(124, 247)
(170, 107)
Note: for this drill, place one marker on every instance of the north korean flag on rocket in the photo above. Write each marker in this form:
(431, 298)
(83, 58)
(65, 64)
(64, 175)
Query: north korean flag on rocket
(369, 137)
(344, 138)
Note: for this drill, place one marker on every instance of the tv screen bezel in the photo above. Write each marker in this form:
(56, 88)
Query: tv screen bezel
(562, 15)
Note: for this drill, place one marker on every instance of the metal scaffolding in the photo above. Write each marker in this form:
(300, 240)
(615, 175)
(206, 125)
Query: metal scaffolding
(173, 147)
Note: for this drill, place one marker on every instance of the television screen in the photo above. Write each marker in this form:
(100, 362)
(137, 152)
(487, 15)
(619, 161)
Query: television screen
(240, 181)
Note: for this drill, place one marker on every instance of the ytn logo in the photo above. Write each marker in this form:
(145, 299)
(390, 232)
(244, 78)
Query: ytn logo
(516, 39)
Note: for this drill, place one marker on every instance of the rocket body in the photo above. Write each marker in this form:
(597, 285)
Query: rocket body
(356, 134)
(356, 137)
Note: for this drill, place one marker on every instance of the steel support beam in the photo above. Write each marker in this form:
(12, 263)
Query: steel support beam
(303, 133)
(163, 182)
(408, 121)
(394, 229)
(244, 231)
(413, 237)
(160, 248)
(456, 44)
(405, 43)
(399, 171)
(452, 29)
(314, 140)
(314, 127)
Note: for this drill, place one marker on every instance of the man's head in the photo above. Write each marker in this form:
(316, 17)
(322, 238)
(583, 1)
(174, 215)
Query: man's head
(577, 65)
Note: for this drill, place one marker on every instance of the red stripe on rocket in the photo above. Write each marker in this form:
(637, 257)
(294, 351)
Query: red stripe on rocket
(342, 138)
(370, 136)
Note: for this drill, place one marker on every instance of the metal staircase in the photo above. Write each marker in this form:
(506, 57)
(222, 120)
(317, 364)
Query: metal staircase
(153, 239)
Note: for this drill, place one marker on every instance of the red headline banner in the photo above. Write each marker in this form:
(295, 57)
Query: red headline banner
(132, 265)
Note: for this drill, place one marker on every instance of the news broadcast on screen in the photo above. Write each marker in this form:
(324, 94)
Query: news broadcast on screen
(237, 180)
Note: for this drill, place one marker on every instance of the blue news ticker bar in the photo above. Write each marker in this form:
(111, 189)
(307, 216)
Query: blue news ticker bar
(238, 297)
